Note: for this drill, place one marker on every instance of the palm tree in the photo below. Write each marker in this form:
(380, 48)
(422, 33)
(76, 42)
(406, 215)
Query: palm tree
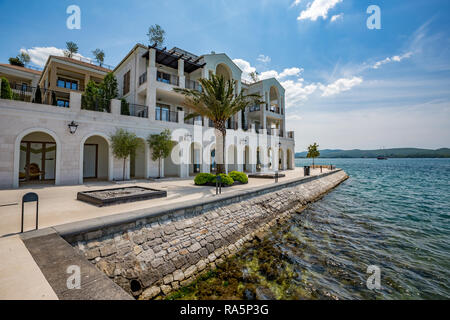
(99, 56)
(218, 102)
(71, 49)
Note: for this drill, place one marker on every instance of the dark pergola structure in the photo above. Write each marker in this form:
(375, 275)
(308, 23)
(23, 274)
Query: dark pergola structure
(170, 59)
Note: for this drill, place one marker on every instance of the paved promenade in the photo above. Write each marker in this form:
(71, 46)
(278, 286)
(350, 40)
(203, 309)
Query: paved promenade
(20, 275)
(58, 204)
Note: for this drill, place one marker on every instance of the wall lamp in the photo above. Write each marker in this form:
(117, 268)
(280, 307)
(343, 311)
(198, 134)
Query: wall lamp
(73, 127)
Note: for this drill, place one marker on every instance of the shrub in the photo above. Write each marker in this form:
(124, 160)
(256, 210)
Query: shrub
(6, 92)
(227, 180)
(203, 178)
(124, 107)
(239, 176)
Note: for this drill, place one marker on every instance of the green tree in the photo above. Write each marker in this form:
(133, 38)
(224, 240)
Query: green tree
(6, 92)
(313, 151)
(161, 145)
(123, 144)
(16, 62)
(124, 107)
(91, 96)
(98, 96)
(38, 95)
(218, 102)
(71, 49)
(108, 88)
(24, 58)
(254, 76)
(99, 56)
(156, 35)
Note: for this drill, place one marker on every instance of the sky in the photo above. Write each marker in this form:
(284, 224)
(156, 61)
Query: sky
(347, 86)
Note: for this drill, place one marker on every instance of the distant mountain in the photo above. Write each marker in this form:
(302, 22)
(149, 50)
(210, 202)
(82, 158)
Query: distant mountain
(390, 153)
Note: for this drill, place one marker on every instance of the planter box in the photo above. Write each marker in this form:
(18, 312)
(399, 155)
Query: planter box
(108, 197)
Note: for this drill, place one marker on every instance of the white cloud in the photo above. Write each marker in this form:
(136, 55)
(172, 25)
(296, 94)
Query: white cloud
(39, 55)
(340, 85)
(288, 72)
(318, 8)
(245, 67)
(264, 59)
(297, 92)
(392, 59)
(337, 17)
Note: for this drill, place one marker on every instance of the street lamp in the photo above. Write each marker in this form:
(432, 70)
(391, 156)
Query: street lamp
(73, 127)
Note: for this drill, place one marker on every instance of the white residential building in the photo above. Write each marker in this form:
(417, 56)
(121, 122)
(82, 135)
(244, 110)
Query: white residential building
(38, 145)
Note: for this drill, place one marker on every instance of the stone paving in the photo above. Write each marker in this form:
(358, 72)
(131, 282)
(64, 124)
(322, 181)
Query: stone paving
(154, 259)
(59, 205)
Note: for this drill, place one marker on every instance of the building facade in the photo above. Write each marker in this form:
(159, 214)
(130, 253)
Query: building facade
(44, 143)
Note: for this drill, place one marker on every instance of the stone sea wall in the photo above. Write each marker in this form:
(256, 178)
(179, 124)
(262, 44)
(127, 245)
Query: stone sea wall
(153, 259)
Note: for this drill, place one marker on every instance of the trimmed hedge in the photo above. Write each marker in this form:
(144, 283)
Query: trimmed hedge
(239, 176)
(227, 180)
(204, 178)
(207, 178)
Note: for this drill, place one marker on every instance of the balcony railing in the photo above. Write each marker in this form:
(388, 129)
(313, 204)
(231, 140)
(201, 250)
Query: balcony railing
(70, 86)
(22, 88)
(137, 110)
(192, 121)
(193, 85)
(167, 78)
(143, 78)
(26, 93)
(95, 104)
(163, 114)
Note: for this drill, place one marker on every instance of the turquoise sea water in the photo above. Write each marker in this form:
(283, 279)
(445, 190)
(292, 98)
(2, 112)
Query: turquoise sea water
(394, 214)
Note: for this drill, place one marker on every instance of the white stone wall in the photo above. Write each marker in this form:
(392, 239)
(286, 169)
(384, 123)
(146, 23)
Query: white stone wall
(17, 119)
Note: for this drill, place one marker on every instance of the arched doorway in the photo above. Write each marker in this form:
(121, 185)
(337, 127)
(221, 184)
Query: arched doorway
(281, 163)
(138, 161)
(96, 159)
(223, 70)
(290, 159)
(274, 98)
(270, 158)
(37, 161)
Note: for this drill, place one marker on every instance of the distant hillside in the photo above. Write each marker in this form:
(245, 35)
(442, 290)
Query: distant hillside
(390, 153)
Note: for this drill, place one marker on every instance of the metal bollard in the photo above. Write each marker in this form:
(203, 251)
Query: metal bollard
(30, 197)
(218, 185)
(276, 177)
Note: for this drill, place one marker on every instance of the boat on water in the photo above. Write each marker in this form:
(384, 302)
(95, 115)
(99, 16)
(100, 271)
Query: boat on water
(382, 157)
